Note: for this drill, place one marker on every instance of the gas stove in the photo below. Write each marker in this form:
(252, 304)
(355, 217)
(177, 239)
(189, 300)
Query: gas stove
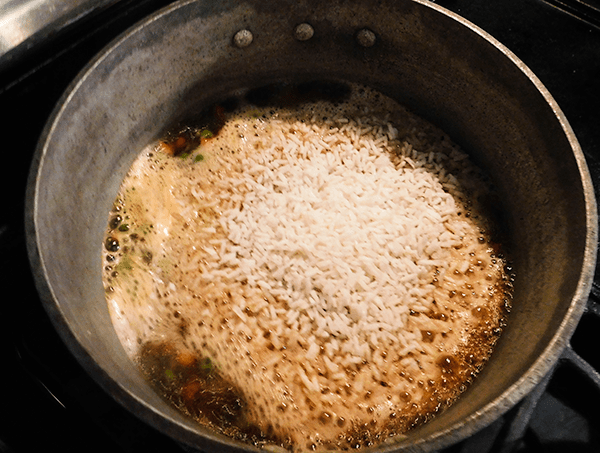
(50, 402)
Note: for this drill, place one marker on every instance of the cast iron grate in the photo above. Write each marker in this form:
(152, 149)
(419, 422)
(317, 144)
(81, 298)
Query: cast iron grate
(560, 414)
(587, 11)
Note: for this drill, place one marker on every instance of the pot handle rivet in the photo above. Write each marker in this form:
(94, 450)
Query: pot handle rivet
(366, 37)
(243, 38)
(304, 32)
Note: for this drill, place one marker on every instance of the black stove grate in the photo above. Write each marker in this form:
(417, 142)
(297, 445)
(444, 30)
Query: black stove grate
(50, 402)
(587, 11)
(560, 414)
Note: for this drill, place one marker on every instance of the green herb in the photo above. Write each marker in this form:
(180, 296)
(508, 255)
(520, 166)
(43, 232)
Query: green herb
(124, 227)
(198, 158)
(169, 374)
(125, 264)
(206, 133)
(255, 114)
(206, 365)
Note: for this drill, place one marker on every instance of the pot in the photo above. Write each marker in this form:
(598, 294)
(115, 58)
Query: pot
(440, 66)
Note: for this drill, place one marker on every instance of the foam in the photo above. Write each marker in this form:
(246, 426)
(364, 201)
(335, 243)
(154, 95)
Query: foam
(333, 260)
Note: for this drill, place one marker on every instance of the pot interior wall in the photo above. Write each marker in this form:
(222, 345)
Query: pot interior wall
(172, 65)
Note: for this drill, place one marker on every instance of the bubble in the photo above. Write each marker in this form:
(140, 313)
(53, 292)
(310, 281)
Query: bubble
(111, 244)
(115, 221)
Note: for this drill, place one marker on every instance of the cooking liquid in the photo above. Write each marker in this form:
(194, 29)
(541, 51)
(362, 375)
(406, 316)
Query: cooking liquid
(186, 337)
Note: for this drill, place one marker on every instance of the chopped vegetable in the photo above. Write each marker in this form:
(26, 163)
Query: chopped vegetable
(180, 142)
(167, 148)
(186, 359)
(206, 365)
(255, 114)
(206, 133)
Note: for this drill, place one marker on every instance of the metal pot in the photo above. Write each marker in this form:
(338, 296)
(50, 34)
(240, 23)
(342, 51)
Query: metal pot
(431, 60)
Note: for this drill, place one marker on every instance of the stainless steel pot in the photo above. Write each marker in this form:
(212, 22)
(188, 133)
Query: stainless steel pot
(433, 61)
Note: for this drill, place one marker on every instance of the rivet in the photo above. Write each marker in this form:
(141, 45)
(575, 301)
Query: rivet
(366, 37)
(304, 32)
(243, 38)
